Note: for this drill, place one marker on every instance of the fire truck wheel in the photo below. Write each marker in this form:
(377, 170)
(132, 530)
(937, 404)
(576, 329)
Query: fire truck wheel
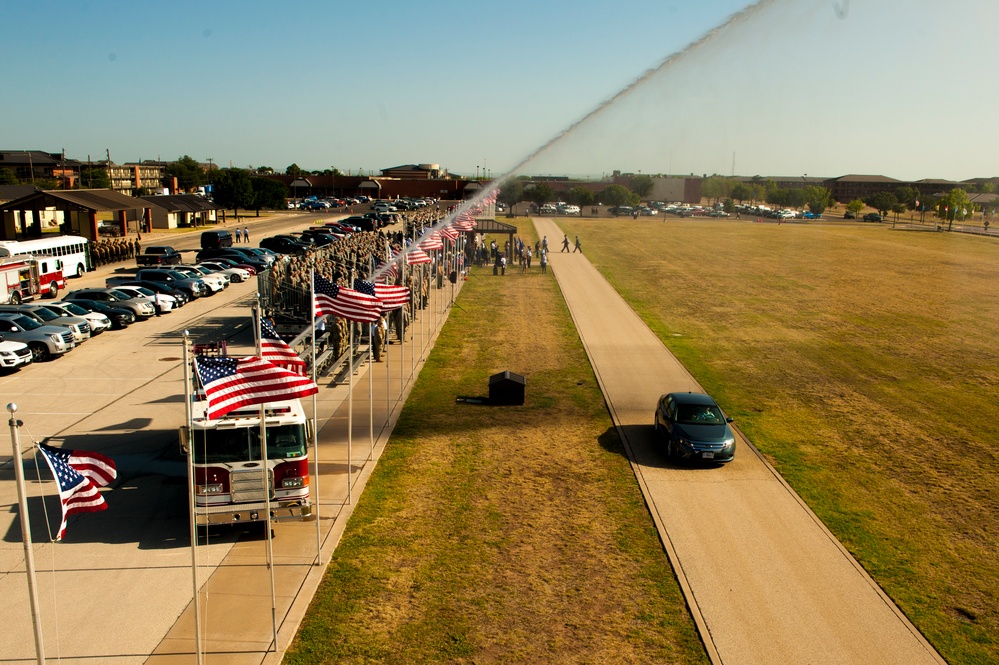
(15, 298)
(53, 290)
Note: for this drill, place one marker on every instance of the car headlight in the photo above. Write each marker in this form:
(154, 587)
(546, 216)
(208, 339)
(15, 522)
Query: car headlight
(729, 443)
(55, 338)
(7, 354)
(210, 489)
(684, 442)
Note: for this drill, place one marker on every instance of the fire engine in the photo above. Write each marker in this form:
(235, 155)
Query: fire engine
(231, 483)
(22, 278)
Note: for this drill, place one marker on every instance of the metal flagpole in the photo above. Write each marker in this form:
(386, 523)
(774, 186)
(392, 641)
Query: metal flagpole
(371, 391)
(189, 419)
(268, 537)
(315, 419)
(29, 555)
(350, 407)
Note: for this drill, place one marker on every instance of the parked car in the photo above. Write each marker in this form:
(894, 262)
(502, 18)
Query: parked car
(235, 274)
(194, 288)
(141, 307)
(216, 239)
(13, 355)
(229, 262)
(216, 281)
(120, 317)
(98, 322)
(79, 326)
(620, 210)
(45, 342)
(244, 254)
(849, 215)
(692, 426)
(158, 255)
(872, 217)
(180, 298)
(163, 303)
(284, 245)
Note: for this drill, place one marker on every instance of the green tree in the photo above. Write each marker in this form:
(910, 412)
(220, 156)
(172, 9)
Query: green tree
(294, 170)
(541, 193)
(188, 173)
(268, 193)
(264, 170)
(8, 177)
(907, 196)
(728, 205)
(883, 202)
(580, 196)
(855, 206)
(742, 192)
(511, 193)
(641, 185)
(94, 177)
(233, 189)
(716, 188)
(618, 195)
(817, 198)
(955, 205)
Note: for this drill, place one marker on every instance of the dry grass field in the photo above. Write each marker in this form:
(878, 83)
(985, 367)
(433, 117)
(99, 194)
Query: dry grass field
(501, 534)
(864, 363)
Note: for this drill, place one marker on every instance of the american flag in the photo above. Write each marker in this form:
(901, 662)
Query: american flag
(391, 273)
(391, 296)
(231, 383)
(450, 233)
(431, 242)
(345, 303)
(275, 350)
(415, 256)
(78, 473)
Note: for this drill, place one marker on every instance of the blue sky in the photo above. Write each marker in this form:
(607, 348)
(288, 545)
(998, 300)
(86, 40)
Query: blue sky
(823, 87)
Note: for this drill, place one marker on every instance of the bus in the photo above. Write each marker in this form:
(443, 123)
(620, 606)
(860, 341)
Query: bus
(72, 251)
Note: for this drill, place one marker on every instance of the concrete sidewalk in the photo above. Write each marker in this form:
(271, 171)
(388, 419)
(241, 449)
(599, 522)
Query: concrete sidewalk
(236, 610)
(765, 580)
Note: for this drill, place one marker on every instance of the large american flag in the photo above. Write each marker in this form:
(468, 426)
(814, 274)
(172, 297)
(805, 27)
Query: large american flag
(78, 473)
(450, 233)
(415, 256)
(345, 303)
(431, 243)
(277, 351)
(391, 273)
(232, 383)
(390, 296)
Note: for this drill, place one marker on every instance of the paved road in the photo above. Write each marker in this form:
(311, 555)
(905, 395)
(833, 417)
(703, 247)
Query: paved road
(766, 581)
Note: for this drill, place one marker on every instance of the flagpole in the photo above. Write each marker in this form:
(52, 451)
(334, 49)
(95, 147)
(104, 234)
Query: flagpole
(266, 485)
(189, 419)
(315, 417)
(350, 406)
(371, 391)
(29, 555)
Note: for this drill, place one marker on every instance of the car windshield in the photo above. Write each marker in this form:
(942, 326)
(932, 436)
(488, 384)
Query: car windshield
(242, 444)
(26, 322)
(44, 314)
(699, 414)
(120, 295)
(143, 291)
(73, 308)
(46, 310)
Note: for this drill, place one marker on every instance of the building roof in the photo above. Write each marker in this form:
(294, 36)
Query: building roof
(97, 200)
(182, 203)
(865, 178)
(11, 192)
(493, 226)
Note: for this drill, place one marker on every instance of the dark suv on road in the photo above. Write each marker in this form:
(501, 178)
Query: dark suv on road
(692, 426)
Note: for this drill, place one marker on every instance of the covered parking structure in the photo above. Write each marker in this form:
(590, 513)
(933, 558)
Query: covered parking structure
(71, 212)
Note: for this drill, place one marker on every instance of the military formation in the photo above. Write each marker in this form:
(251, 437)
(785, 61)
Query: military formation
(114, 250)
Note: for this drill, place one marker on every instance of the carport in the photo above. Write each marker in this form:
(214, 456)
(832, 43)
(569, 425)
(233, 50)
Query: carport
(72, 212)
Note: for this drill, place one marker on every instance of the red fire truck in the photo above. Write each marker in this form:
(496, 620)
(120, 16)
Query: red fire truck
(25, 278)
(231, 483)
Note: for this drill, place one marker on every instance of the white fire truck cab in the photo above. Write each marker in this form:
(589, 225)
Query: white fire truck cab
(231, 483)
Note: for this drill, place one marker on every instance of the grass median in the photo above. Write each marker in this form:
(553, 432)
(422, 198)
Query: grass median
(501, 534)
(863, 362)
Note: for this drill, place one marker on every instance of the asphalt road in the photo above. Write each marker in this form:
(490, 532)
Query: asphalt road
(765, 580)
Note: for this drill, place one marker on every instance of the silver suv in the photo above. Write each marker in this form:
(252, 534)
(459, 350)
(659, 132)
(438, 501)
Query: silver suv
(45, 342)
(78, 325)
(143, 308)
